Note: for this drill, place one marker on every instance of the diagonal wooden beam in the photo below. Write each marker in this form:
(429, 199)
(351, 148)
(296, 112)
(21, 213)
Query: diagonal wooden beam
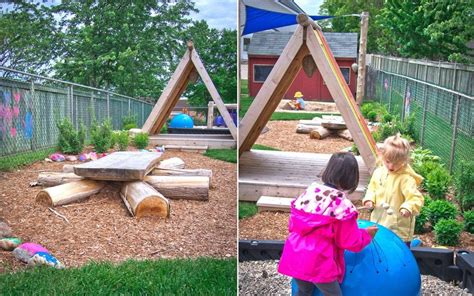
(170, 95)
(272, 91)
(214, 94)
(342, 96)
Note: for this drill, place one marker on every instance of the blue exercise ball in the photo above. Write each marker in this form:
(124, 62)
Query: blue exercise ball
(219, 121)
(385, 267)
(181, 121)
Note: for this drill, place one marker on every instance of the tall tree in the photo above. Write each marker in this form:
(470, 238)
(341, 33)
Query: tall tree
(340, 8)
(28, 38)
(427, 29)
(218, 51)
(129, 46)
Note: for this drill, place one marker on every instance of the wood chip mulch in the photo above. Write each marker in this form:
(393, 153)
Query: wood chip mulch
(100, 227)
(282, 135)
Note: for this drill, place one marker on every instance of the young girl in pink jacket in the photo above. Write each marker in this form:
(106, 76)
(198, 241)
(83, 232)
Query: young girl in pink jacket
(323, 223)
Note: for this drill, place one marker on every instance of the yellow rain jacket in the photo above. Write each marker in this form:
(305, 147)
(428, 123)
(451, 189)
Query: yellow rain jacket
(399, 190)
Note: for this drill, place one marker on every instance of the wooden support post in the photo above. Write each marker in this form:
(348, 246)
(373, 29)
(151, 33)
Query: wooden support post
(210, 114)
(364, 27)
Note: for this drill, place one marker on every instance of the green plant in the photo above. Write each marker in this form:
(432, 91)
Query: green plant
(447, 232)
(372, 116)
(423, 217)
(129, 121)
(464, 183)
(441, 209)
(70, 140)
(101, 135)
(437, 182)
(141, 140)
(387, 117)
(229, 155)
(366, 108)
(469, 221)
(247, 209)
(122, 140)
(354, 149)
(420, 155)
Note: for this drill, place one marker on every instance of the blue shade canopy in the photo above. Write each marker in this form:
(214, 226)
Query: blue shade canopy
(260, 20)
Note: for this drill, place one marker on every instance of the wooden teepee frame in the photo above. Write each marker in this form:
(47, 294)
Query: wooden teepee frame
(307, 41)
(187, 71)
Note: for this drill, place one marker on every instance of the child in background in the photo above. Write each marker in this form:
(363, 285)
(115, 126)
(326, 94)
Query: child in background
(323, 223)
(392, 191)
(298, 102)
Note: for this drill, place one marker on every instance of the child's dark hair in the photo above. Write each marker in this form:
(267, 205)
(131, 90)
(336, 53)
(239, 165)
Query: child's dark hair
(342, 171)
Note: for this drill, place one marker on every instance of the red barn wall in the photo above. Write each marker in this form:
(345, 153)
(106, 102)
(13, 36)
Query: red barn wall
(312, 88)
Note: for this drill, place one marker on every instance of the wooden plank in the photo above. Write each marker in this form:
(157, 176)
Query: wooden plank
(214, 94)
(210, 143)
(342, 96)
(119, 166)
(170, 95)
(272, 91)
(198, 149)
(274, 203)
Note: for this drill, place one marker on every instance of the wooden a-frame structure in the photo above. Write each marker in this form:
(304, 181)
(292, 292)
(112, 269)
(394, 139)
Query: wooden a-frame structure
(306, 45)
(187, 71)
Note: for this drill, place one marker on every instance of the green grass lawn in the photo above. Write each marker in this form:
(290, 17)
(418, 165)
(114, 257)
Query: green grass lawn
(247, 209)
(294, 116)
(20, 159)
(202, 276)
(229, 155)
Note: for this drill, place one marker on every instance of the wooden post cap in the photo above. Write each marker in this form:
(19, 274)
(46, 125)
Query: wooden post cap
(306, 21)
(190, 44)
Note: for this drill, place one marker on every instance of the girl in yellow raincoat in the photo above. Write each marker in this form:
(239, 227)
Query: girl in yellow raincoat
(393, 192)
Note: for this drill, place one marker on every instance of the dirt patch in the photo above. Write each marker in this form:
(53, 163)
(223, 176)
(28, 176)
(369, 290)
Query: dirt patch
(309, 106)
(282, 135)
(101, 228)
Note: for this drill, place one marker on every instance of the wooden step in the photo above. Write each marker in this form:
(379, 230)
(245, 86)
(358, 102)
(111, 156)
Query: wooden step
(184, 148)
(273, 203)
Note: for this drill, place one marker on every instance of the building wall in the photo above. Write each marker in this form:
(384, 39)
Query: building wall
(312, 88)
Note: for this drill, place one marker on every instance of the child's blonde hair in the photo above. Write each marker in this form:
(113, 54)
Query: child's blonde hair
(396, 149)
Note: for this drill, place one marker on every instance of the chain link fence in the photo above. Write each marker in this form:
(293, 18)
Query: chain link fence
(439, 96)
(31, 105)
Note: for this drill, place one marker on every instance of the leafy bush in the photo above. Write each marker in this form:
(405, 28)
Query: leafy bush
(129, 121)
(101, 135)
(372, 116)
(441, 209)
(464, 182)
(387, 117)
(447, 232)
(122, 140)
(437, 182)
(70, 140)
(141, 140)
(420, 155)
(354, 149)
(423, 217)
(469, 221)
(366, 108)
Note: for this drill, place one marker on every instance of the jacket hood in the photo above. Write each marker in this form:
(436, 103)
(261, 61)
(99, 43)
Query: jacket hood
(303, 223)
(409, 171)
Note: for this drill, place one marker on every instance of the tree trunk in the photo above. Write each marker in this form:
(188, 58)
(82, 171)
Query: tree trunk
(171, 163)
(48, 179)
(305, 129)
(143, 200)
(181, 187)
(346, 134)
(183, 172)
(319, 133)
(69, 192)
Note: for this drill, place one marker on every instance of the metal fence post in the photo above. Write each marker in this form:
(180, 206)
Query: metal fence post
(129, 107)
(402, 115)
(33, 105)
(425, 95)
(108, 105)
(71, 93)
(143, 113)
(455, 132)
(390, 95)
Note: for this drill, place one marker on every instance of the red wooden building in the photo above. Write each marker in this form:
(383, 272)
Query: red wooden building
(266, 47)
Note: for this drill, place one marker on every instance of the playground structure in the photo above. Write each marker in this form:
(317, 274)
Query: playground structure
(284, 174)
(188, 70)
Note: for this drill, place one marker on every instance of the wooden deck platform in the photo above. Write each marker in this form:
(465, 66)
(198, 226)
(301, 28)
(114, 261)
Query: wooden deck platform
(273, 204)
(286, 174)
(212, 141)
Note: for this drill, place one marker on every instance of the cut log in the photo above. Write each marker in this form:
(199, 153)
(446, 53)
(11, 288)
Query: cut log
(48, 179)
(319, 133)
(181, 187)
(346, 134)
(183, 172)
(69, 192)
(316, 121)
(171, 163)
(143, 200)
(68, 168)
(305, 129)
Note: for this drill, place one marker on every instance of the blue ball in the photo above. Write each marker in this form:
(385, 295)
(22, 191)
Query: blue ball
(385, 267)
(182, 121)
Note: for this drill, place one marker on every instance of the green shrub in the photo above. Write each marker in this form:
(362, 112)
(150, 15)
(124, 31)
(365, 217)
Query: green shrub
(441, 209)
(423, 217)
(464, 182)
(437, 182)
(129, 121)
(469, 221)
(122, 140)
(366, 108)
(372, 116)
(101, 135)
(354, 149)
(70, 140)
(447, 232)
(141, 140)
(420, 155)
(387, 117)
